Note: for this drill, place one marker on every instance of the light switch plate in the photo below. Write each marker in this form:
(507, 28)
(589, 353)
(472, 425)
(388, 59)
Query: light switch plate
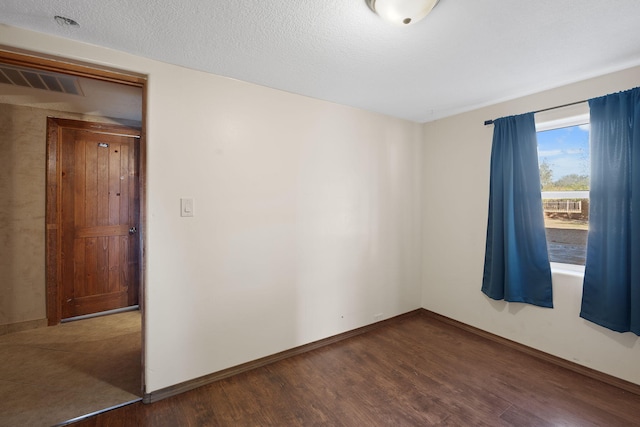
(186, 206)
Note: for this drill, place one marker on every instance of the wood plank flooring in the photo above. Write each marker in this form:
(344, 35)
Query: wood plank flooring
(417, 371)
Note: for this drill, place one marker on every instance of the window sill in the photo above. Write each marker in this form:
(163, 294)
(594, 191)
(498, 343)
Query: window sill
(567, 269)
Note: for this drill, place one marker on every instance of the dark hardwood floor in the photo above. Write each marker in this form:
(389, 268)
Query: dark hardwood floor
(416, 371)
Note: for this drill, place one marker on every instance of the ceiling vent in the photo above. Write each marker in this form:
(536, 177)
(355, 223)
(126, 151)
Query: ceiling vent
(52, 82)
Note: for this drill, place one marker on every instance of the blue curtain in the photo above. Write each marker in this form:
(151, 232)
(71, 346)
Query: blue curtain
(516, 264)
(611, 291)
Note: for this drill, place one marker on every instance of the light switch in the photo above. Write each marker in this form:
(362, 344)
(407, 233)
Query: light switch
(186, 207)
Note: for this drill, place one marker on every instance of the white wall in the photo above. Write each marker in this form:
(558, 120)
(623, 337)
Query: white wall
(455, 195)
(307, 215)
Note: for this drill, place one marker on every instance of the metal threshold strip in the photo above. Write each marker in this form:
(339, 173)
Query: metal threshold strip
(101, 313)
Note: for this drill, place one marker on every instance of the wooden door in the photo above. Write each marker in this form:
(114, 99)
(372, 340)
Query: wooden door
(98, 217)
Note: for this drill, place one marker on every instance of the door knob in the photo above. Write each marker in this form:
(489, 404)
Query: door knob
(133, 230)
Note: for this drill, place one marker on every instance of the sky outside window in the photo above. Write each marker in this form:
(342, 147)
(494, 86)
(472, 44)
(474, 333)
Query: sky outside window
(565, 150)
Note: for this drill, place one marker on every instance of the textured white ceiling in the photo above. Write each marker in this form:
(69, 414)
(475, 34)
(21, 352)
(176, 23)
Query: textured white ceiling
(465, 54)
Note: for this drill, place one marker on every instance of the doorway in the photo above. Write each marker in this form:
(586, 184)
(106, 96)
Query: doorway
(95, 206)
(125, 273)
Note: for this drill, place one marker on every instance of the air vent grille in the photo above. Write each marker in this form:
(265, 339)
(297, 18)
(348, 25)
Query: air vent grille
(36, 79)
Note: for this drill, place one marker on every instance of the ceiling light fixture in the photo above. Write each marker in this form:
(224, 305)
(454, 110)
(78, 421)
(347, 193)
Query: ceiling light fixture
(402, 12)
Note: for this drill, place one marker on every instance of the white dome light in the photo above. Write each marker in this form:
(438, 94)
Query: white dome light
(402, 12)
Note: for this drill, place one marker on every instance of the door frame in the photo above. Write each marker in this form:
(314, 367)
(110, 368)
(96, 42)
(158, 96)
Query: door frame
(40, 61)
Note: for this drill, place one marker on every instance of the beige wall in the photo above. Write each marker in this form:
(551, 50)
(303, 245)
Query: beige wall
(22, 177)
(22, 188)
(456, 174)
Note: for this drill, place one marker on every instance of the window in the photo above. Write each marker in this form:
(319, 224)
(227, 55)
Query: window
(563, 157)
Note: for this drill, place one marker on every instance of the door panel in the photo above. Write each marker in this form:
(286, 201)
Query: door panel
(99, 205)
